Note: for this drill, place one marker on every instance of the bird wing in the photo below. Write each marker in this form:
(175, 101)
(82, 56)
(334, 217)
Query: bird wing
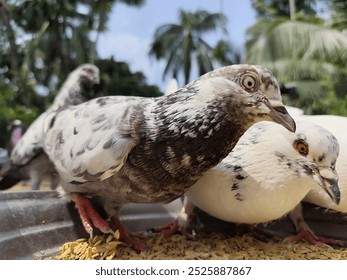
(23, 153)
(91, 141)
(30, 145)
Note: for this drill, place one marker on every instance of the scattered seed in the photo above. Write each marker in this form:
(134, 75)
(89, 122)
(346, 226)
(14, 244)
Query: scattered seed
(207, 246)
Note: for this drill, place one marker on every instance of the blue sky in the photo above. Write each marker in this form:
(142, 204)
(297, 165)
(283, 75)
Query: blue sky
(130, 30)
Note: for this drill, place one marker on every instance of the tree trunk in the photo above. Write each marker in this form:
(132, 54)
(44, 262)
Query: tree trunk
(292, 9)
(10, 35)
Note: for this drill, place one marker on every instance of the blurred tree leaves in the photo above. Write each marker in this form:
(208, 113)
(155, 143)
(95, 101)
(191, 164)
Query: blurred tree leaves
(308, 55)
(117, 79)
(267, 9)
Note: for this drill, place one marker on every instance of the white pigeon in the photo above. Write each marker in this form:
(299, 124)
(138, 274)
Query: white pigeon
(146, 150)
(336, 125)
(267, 174)
(27, 159)
(294, 111)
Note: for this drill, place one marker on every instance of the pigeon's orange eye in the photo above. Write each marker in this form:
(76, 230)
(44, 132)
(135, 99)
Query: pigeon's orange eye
(301, 146)
(250, 82)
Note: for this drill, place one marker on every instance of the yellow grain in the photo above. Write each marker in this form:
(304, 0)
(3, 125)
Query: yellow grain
(207, 246)
(81, 240)
(97, 243)
(117, 234)
(109, 238)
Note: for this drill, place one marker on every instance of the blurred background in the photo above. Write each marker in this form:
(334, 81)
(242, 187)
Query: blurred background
(139, 45)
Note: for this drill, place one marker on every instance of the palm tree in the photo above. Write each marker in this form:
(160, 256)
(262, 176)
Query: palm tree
(182, 44)
(305, 55)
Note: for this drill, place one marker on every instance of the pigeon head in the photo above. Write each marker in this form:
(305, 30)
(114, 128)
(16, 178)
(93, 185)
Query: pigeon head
(265, 96)
(324, 151)
(88, 74)
(313, 154)
(78, 87)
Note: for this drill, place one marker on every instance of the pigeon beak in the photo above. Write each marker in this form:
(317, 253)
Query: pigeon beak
(280, 115)
(328, 180)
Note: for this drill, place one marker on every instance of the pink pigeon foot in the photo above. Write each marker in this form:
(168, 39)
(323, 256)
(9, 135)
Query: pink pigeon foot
(172, 228)
(124, 235)
(89, 216)
(313, 239)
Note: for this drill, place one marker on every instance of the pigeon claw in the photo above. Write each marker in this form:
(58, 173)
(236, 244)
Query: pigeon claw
(90, 217)
(125, 236)
(172, 228)
(313, 239)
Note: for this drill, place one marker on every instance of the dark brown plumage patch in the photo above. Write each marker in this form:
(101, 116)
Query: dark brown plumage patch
(321, 157)
(240, 177)
(102, 101)
(76, 183)
(99, 119)
(80, 152)
(108, 144)
(60, 138)
(235, 187)
(52, 122)
(239, 197)
(269, 81)
(237, 168)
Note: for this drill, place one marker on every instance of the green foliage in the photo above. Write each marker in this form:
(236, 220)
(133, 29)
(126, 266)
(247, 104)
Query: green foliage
(339, 15)
(117, 79)
(225, 54)
(267, 9)
(305, 54)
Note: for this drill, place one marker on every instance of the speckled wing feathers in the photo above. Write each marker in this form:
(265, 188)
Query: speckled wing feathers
(92, 146)
(30, 144)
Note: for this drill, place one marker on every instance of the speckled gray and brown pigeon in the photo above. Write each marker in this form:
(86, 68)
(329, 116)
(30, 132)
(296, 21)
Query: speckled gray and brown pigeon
(133, 149)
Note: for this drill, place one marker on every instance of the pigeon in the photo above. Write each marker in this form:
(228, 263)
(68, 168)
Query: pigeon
(266, 175)
(294, 111)
(336, 125)
(147, 150)
(38, 167)
(27, 159)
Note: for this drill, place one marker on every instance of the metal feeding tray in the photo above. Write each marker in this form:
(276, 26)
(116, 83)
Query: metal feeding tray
(34, 224)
